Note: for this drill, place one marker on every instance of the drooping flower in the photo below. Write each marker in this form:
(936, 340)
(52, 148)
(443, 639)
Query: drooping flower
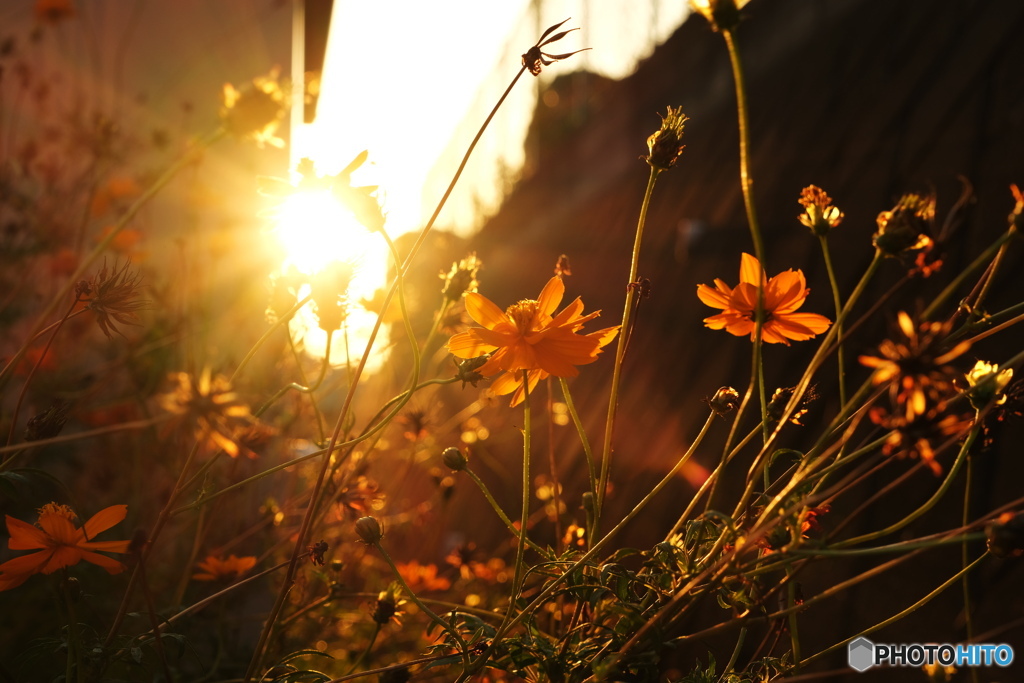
(529, 336)
(783, 295)
(906, 227)
(59, 543)
(216, 569)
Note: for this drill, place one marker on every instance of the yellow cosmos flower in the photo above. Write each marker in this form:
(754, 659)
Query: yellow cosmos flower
(59, 543)
(783, 295)
(529, 336)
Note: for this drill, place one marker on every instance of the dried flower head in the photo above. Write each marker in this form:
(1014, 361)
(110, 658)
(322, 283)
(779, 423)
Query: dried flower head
(461, 278)
(665, 145)
(819, 214)
(208, 407)
(985, 385)
(59, 543)
(533, 59)
(48, 423)
(1005, 536)
(215, 568)
(255, 111)
(113, 296)
(316, 552)
(386, 608)
(916, 366)
(906, 227)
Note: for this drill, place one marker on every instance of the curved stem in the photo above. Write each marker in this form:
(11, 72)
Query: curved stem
(591, 465)
(509, 524)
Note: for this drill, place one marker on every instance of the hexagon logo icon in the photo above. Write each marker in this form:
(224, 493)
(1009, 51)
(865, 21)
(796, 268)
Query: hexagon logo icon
(861, 654)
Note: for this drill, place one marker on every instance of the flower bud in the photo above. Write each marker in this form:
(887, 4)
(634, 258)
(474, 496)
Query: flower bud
(985, 384)
(725, 400)
(665, 145)
(454, 459)
(819, 214)
(368, 529)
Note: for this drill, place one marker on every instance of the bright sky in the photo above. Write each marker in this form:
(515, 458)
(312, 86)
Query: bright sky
(402, 93)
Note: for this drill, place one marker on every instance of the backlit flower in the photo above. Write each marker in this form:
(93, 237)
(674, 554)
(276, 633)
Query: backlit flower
(985, 384)
(819, 213)
(916, 366)
(217, 569)
(59, 543)
(529, 336)
(534, 59)
(783, 295)
(209, 408)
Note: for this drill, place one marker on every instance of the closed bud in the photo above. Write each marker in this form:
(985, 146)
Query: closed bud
(454, 459)
(665, 145)
(725, 400)
(368, 529)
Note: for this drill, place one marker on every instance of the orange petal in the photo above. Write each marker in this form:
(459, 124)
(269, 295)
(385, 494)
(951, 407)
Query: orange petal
(110, 564)
(104, 519)
(551, 295)
(25, 536)
(107, 546)
(59, 529)
(786, 292)
(27, 564)
(9, 581)
(751, 271)
(468, 345)
(484, 311)
(713, 297)
(63, 556)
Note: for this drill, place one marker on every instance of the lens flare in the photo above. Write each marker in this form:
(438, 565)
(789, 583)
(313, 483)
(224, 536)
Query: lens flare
(314, 229)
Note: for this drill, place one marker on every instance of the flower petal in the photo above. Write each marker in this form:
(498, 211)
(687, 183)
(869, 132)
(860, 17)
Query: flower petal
(484, 311)
(714, 297)
(104, 519)
(27, 564)
(751, 271)
(25, 536)
(551, 296)
(469, 345)
(110, 564)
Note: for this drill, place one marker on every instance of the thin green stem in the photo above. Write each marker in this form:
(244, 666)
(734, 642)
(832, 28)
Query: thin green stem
(900, 615)
(731, 664)
(449, 628)
(509, 524)
(35, 367)
(968, 272)
(837, 301)
(931, 502)
(591, 465)
(968, 622)
(283, 320)
(620, 349)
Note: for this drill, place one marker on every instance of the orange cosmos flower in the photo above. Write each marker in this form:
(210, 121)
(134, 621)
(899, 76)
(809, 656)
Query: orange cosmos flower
(783, 295)
(216, 569)
(59, 543)
(527, 336)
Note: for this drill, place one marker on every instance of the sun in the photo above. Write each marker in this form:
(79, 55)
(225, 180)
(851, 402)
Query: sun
(314, 229)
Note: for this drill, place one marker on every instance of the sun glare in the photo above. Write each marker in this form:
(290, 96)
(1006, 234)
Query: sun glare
(314, 229)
